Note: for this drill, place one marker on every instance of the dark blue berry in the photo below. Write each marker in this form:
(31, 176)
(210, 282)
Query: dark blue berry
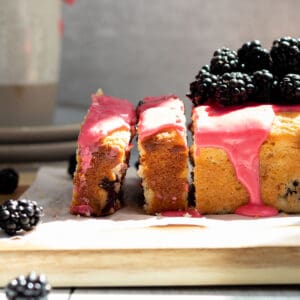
(9, 180)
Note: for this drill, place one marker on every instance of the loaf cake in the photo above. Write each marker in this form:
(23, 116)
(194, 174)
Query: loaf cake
(246, 160)
(163, 150)
(246, 130)
(103, 152)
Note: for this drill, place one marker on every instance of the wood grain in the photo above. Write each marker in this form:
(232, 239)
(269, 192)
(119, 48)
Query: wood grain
(157, 267)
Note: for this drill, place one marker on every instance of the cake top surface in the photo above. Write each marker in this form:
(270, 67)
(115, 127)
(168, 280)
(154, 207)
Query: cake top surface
(105, 115)
(234, 120)
(157, 114)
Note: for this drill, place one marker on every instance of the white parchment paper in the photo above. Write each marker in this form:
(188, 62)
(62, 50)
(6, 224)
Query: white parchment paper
(53, 190)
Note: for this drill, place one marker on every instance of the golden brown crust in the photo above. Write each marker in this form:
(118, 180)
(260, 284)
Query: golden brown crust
(164, 171)
(218, 189)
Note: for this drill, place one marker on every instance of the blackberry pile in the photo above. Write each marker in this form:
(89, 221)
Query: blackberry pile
(251, 74)
(33, 286)
(19, 215)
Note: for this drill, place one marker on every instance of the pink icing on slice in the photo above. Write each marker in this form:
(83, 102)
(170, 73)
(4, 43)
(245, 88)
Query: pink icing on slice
(106, 114)
(193, 213)
(240, 132)
(83, 210)
(158, 114)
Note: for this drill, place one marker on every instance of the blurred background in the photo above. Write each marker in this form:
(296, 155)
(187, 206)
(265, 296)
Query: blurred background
(129, 48)
(134, 48)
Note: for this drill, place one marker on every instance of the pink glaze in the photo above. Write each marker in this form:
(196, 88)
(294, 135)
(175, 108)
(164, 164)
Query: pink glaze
(240, 132)
(83, 210)
(106, 114)
(191, 212)
(158, 114)
(254, 210)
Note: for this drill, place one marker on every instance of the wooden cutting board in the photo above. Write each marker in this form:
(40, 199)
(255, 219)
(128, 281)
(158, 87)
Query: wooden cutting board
(156, 255)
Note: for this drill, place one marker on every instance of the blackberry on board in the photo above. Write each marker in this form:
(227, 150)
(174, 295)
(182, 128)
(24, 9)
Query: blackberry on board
(224, 61)
(263, 81)
(290, 88)
(33, 286)
(9, 180)
(203, 88)
(16, 215)
(285, 53)
(253, 57)
(234, 88)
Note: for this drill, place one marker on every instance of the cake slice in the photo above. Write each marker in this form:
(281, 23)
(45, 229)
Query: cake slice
(102, 156)
(163, 151)
(246, 159)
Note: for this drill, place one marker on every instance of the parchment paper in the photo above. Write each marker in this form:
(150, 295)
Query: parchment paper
(53, 190)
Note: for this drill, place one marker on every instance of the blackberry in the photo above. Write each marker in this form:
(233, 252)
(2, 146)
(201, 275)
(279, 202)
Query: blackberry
(263, 81)
(33, 286)
(205, 69)
(19, 215)
(203, 89)
(224, 61)
(253, 57)
(107, 184)
(285, 53)
(290, 88)
(72, 164)
(9, 180)
(234, 88)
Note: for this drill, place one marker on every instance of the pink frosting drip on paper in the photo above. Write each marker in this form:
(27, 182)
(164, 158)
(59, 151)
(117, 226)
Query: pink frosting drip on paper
(157, 114)
(240, 132)
(106, 114)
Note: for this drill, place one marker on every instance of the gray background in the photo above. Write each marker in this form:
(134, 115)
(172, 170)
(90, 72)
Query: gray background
(134, 48)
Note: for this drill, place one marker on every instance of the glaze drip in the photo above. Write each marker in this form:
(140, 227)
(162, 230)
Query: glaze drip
(240, 132)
